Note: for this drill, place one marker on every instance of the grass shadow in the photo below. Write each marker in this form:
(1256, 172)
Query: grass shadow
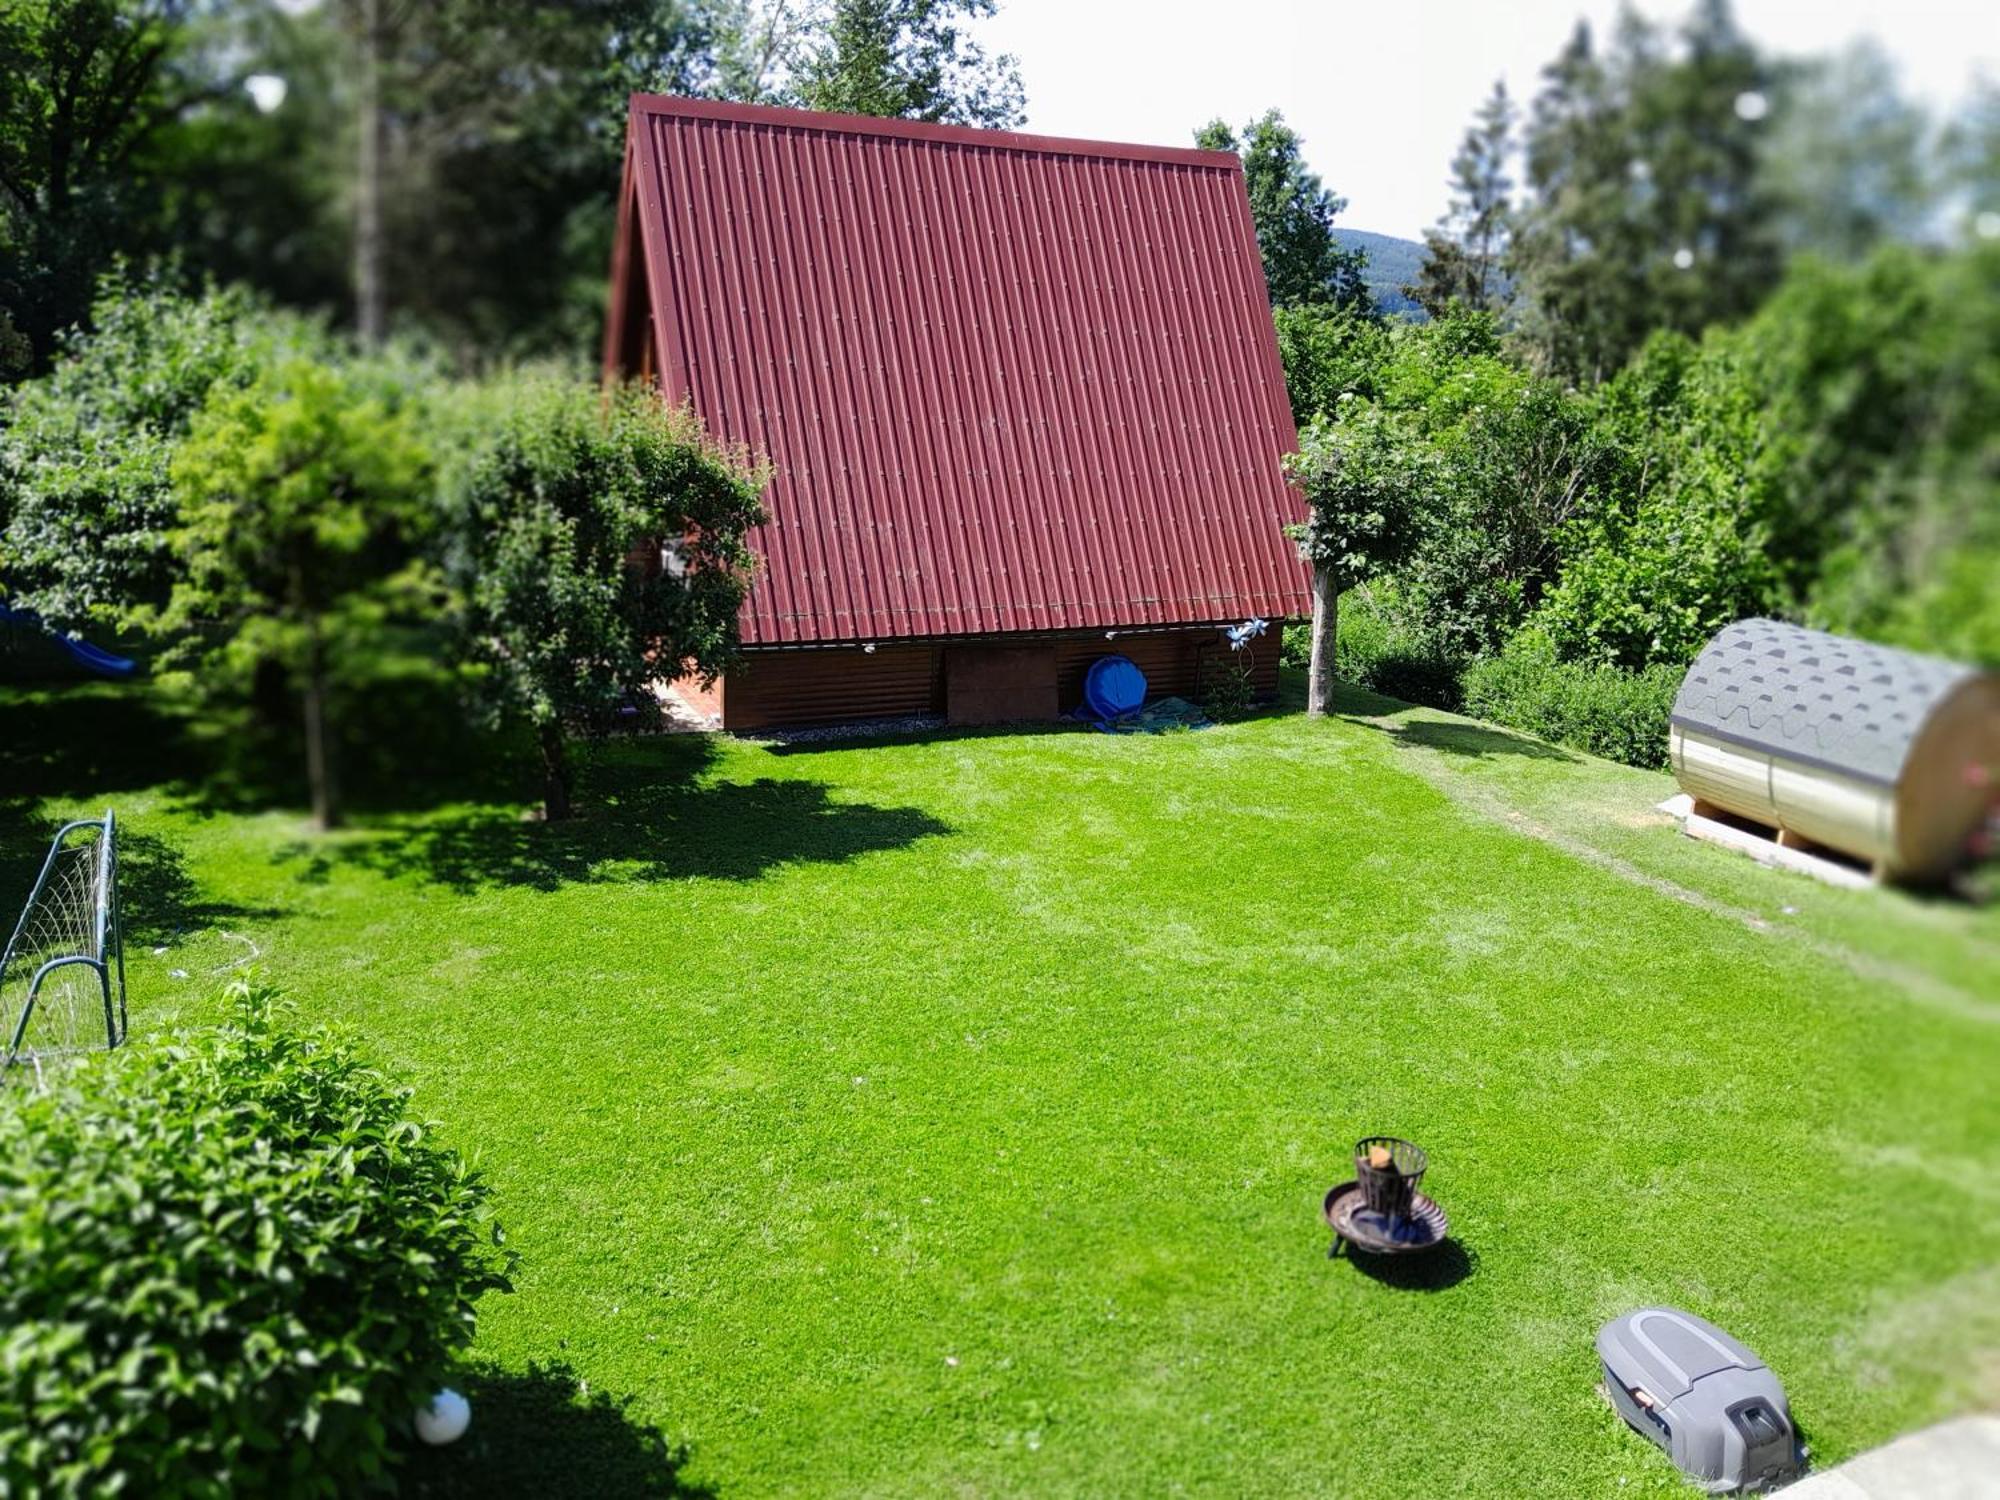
(540, 1432)
(1433, 1271)
(1368, 709)
(1278, 706)
(648, 814)
(158, 899)
(1477, 741)
(90, 741)
(404, 745)
(24, 844)
(84, 744)
(1348, 699)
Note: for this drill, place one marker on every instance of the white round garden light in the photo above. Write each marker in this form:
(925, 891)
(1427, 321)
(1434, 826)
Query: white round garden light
(266, 90)
(445, 1419)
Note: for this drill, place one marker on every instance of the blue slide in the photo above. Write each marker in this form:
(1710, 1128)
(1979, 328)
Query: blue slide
(93, 659)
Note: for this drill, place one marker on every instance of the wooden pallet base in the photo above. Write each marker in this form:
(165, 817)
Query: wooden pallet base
(1776, 847)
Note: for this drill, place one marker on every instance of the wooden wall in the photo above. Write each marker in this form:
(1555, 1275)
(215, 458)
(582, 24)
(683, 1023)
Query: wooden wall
(999, 683)
(1172, 662)
(775, 688)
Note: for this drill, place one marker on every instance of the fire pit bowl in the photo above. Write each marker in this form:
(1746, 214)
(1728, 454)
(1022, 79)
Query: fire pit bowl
(1389, 1169)
(1354, 1223)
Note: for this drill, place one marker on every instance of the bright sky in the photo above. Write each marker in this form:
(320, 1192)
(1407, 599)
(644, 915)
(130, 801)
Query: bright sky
(1383, 90)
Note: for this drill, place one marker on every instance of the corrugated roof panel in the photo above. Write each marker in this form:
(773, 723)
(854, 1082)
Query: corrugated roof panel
(1007, 382)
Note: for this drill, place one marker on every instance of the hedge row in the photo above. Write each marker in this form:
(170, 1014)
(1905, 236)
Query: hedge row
(1597, 708)
(1603, 710)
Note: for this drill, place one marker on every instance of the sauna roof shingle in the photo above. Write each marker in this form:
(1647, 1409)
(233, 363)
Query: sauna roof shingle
(1843, 705)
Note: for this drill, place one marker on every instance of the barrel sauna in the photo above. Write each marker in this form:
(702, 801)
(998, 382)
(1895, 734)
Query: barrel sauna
(1884, 755)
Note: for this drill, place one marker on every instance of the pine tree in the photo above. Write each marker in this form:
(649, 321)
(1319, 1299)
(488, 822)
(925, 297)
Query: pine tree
(1646, 206)
(909, 59)
(1465, 249)
(1702, 124)
(1568, 249)
(1848, 160)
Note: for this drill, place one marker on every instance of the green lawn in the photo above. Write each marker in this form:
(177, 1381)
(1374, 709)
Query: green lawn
(952, 1116)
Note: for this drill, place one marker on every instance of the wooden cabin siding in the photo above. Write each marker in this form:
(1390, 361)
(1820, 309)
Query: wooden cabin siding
(772, 688)
(778, 688)
(1172, 661)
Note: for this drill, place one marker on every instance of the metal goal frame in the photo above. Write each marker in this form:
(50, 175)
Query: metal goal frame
(101, 951)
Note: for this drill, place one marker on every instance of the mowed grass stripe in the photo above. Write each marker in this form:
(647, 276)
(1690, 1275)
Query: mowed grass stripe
(952, 1115)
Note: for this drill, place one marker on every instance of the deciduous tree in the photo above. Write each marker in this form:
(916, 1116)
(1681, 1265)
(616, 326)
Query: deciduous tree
(304, 502)
(85, 87)
(1368, 479)
(87, 508)
(597, 545)
(911, 59)
(1328, 353)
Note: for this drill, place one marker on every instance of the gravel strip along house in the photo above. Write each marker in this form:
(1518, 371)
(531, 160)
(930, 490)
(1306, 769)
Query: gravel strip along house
(1022, 396)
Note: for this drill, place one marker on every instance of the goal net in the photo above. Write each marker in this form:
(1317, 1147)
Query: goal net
(62, 974)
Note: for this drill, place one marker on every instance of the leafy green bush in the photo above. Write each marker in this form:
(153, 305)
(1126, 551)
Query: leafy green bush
(554, 490)
(1916, 564)
(1375, 651)
(1488, 464)
(1328, 353)
(86, 503)
(1687, 544)
(1604, 710)
(233, 1265)
(1830, 459)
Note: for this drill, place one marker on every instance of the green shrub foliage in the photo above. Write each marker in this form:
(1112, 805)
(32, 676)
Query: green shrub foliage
(87, 510)
(1369, 483)
(1379, 653)
(1829, 460)
(1516, 463)
(597, 540)
(1328, 353)
(235, 1265)
(1589, 706)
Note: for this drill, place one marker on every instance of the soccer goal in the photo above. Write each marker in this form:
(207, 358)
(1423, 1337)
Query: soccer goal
(62, 976)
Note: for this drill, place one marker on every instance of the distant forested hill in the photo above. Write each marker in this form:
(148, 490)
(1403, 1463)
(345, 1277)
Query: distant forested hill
(1392, 263)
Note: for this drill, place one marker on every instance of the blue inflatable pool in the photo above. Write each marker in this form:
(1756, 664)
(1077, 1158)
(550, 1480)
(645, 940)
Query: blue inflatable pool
(1113, 687)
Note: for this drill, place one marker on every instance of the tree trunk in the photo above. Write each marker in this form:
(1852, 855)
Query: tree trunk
(1319, 676)
(319, 760)
(555, 773)
(370, 301)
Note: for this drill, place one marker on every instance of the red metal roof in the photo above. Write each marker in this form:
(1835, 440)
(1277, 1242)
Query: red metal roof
(1008, 382)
